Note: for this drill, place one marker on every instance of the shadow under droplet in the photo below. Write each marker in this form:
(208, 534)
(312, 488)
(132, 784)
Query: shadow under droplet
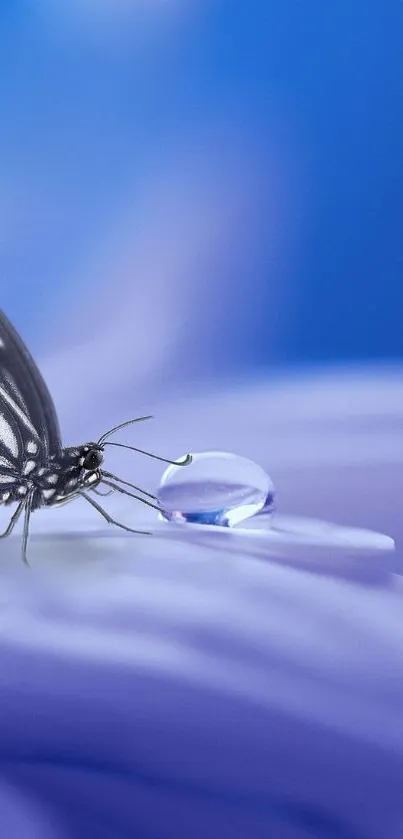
(362, 567)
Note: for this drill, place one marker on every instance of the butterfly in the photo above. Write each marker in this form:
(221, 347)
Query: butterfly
(36, 470)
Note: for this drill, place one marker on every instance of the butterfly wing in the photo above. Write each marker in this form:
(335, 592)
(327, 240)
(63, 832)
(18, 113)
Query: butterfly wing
(28, 419)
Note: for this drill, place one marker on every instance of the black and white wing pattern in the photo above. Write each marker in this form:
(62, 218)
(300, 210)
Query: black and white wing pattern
(29, 428)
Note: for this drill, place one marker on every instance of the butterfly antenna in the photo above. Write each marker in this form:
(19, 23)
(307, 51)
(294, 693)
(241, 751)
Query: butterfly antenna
(122, 425)
(184, 462)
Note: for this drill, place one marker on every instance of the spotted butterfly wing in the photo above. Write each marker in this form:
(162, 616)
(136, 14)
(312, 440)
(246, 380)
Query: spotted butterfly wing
(28, 420)
(35, 469)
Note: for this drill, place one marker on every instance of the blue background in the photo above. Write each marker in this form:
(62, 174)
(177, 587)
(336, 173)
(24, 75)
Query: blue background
(88, 107)
(191, 193)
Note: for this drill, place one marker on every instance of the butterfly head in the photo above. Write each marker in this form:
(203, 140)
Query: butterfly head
(92, 457)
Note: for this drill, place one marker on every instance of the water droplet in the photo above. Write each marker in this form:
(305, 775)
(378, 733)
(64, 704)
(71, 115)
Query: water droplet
(217, 488)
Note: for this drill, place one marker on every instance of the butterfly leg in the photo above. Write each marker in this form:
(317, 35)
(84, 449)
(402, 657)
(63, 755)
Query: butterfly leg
(131, 495)
(25, 532)
(126, 483)
(109, 518)
(13, 520)
(103, 494)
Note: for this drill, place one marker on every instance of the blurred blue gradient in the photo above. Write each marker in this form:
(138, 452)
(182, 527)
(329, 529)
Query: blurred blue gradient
(201, 203)
(269, 134)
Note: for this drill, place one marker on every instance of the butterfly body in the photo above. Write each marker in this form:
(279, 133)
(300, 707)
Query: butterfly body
(36, 470)
(49, 482)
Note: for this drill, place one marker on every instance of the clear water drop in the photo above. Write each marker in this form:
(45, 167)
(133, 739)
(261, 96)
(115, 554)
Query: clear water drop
(217, 488)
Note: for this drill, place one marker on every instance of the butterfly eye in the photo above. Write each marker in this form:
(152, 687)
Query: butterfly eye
(93, 459)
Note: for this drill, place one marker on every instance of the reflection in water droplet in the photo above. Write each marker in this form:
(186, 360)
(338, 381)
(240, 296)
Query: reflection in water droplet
(217, 488)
